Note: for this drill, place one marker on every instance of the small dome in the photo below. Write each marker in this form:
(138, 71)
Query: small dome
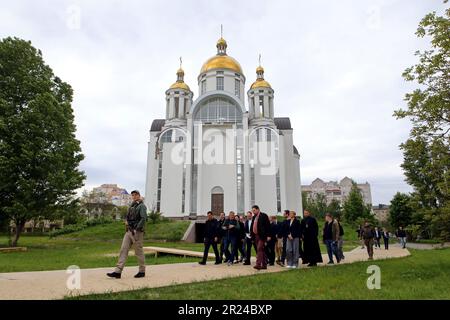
(180, 81)
(260, 83)
(221, 42)
(180, 85)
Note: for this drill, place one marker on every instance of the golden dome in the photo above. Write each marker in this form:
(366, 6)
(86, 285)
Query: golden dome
(180, 85)
(221, 62)
(221, 42)
(260, 83)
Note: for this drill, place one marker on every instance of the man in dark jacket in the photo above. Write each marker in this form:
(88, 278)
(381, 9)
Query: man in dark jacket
(386, 236)
(221, 235)
(310, 232)
(331, 237)
(135, 225)
(239, 241)
(377, 238)
(260, 235)
(231, 228)
(270, 246)
(211, 238)
(284, 235)
(248, 238)
(401, 234)
(293, 241)
(368, 233)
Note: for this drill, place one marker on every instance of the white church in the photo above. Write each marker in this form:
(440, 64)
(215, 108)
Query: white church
(217, 153)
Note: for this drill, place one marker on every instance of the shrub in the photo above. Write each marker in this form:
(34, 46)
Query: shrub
(80, 226)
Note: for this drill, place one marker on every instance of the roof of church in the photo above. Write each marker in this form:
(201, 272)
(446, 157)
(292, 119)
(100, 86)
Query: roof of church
(282, 123)
(296, 151)
(157, 124)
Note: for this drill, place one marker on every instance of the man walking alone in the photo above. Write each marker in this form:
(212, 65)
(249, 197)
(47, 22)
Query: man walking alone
(135, 224)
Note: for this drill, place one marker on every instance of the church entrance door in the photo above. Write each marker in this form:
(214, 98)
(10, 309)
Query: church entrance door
(217, 200)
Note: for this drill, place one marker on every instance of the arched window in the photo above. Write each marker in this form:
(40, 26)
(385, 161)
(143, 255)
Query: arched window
(218, 109)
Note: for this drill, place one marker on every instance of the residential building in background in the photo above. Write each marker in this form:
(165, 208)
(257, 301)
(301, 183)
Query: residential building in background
(336, 190)
(381, 212)
(110, 193)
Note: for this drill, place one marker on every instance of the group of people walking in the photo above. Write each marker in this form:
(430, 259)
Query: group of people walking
(232, 238)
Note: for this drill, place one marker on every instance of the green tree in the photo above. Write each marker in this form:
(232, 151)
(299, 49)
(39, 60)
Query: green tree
(315, 204)
(354, 209)
(426, 161)
(400, 210)
(39, 154)
(334, 207)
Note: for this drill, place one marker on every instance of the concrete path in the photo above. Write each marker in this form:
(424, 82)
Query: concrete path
(53, 284)
(427, 246)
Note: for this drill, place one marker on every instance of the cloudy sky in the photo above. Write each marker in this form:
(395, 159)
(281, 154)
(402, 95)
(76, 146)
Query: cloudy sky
(335, 67)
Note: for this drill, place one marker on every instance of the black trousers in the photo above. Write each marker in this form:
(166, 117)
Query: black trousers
(239, 248)
(222, 247)
(270, 251)
(208, 243)
(248, 249)
(386, 243)
(283, 253)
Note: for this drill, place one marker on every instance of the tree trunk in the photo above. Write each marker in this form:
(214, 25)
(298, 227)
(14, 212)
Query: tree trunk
(19, 228)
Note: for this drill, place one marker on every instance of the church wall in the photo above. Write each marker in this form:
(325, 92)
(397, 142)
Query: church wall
(265, 191)
(171, 188)
(152, 175)
(222, 175)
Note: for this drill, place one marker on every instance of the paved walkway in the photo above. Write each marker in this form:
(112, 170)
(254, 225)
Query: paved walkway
(427, 246)
(52, 284)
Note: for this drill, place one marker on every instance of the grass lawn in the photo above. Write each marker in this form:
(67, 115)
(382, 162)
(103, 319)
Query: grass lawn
(88, 248)
(423, 275)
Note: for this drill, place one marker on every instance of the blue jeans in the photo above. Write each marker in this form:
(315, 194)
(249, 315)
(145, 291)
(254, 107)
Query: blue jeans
(332, 248)
(403, 242)
(229, 256)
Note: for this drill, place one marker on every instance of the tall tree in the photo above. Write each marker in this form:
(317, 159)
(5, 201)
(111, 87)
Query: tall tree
(354, 208)
(39, 154)
(400, 210)
(426, 153)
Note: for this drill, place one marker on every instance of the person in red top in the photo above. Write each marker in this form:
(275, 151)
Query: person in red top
(260, 235)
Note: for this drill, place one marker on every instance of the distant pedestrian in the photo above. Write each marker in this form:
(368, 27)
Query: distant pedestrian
(231, 228)
(292, 244)
(377, 238)
(248, 238)
(331, 238)
(386, 237)
(239, 241)
(341, 240)
(221, 235)
(368, 234)
(284, 234)
(401, 234)
(359, 232)
(311, 248)
(270, 246)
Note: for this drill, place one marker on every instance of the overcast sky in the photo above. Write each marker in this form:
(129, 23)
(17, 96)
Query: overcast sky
(335, 67)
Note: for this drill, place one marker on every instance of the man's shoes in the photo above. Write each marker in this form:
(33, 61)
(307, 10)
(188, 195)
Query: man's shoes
(202, 262)
(246, 263)
(330, 262)
(217, 262)
(230, 263)
(139, 275)
(116, 275)
(257, 267)
(262, 268)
